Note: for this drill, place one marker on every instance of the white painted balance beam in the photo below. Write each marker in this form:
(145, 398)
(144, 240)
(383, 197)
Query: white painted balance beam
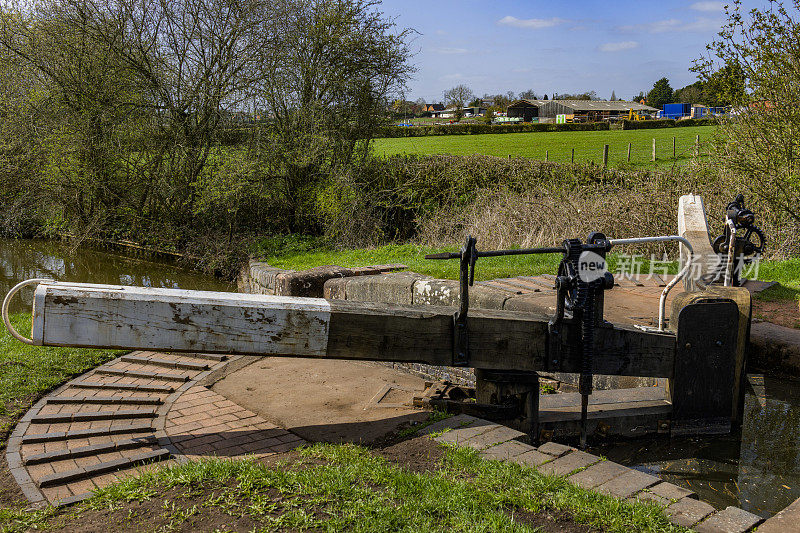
(104, 316)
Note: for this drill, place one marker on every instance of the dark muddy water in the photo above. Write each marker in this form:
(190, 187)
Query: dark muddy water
(24, 259)
(757, 469)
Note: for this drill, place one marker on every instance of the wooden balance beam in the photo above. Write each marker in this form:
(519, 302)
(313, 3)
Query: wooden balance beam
(102, 316)
(701, 356)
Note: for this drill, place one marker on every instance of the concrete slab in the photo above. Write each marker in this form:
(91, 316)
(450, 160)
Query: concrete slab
(688, 512)
(440, 292)
(568, 463)
(324, 400)
(598, 474)
(533, 458)
(493, 437)
(460, 435)
(730, 520)
(448, 423)
(506, 450)
(671, 492)
(389, 288)
(627, 484)
(555, 449)
(787, 520)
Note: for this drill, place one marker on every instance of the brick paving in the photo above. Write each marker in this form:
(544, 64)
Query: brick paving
(140, 414)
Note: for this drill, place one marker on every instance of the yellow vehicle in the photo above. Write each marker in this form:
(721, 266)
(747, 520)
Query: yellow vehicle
(633, 115)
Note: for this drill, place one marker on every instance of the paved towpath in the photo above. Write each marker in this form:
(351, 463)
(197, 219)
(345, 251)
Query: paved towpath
(125, 416)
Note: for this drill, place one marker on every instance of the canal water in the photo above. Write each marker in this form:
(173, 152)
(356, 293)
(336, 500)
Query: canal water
(25, 259)
(756, 469)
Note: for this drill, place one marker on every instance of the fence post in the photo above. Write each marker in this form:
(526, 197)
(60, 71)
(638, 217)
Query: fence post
(674, 153)
(605, 155)
(654, 148)
(697, 146)
(573, 155)
(629, 152)
(546, 156)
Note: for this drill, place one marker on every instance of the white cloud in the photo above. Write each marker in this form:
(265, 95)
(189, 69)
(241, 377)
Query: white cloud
(708, 7)
(674, 25)
(450, 51)
(452, 77)
(619, 47)
(531, 24)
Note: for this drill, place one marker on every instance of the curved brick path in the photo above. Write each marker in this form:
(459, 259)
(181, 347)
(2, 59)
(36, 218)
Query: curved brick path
(128, 414)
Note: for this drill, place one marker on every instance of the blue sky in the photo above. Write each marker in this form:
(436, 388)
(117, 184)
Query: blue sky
(551, 46)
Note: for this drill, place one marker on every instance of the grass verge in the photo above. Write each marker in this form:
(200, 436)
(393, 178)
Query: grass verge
(348, 488)
(27, 372)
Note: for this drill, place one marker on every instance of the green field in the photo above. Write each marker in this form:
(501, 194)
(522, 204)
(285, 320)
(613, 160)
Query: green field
(557, 146)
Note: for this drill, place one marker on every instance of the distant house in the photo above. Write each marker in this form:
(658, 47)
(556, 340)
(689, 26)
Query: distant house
(432, 108)
(581, 110)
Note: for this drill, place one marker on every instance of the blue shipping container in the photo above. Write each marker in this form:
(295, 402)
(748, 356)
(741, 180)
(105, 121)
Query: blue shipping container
(676, 111)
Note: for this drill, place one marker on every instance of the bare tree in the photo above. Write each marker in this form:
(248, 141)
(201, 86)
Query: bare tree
(326, 84)
(457, 98)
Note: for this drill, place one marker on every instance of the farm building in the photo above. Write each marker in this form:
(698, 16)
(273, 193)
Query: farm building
(582, 110)
(525, 109)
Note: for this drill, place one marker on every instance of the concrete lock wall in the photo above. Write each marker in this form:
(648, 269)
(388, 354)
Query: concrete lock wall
(382, 283)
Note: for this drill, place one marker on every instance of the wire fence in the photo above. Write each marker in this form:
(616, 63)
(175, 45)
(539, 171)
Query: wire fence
(659, 151)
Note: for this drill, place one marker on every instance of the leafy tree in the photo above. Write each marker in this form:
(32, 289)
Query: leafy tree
(660, 94)
(752, 64)
(691, 94)
(638, 98)
(528, 95)
(724, 86)
(545, 97)
(457, 98)
(613, 96)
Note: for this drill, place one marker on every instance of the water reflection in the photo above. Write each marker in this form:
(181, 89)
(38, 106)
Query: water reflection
(757, 469)
(24, 259)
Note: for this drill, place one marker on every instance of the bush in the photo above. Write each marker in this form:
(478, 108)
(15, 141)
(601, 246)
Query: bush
(475, 129)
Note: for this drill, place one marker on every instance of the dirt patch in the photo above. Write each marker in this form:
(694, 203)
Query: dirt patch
(11, 495)
(551, 522)
(156, 514)
(418, 455)
(782, 312)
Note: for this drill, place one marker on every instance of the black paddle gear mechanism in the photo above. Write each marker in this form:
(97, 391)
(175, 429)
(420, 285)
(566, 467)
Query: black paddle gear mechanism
(748, 242)
(582, 278)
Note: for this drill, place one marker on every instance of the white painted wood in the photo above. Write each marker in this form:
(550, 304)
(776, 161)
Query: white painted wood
(693, 226)
(153, 318)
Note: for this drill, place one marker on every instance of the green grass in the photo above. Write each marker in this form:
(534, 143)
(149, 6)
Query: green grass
(347, 488)
(588, 145)
(27, 372)
(787, 273)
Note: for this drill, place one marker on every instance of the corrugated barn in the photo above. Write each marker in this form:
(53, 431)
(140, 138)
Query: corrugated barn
(583, 110)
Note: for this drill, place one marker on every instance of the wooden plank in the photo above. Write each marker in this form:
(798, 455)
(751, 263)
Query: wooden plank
(194, 321)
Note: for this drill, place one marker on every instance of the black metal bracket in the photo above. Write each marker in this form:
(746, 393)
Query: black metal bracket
(467, 257)
(466, 278)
